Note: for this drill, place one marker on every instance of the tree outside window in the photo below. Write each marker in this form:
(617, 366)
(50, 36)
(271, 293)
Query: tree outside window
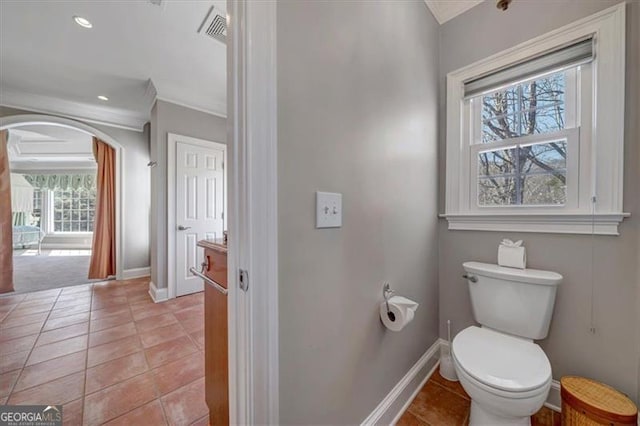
(524, 174)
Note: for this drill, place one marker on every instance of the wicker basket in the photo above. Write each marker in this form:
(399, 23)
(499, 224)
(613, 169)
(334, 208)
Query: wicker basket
(586, 402)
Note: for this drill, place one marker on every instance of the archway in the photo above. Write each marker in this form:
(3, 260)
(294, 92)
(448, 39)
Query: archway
(21, 120)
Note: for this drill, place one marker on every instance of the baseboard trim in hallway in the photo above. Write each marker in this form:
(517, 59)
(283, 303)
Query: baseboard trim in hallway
(129, 274)
(158, 294)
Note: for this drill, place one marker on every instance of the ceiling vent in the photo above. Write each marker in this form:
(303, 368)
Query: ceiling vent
(214, 25)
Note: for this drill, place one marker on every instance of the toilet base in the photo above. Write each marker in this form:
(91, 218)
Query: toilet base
(481, 417)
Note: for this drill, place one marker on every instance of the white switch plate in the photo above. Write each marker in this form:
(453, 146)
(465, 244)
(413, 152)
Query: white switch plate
(328, 210)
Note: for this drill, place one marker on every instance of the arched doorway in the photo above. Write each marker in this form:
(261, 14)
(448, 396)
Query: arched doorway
(21, 120)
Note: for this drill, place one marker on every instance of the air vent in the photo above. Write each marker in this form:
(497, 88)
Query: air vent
(214, 25)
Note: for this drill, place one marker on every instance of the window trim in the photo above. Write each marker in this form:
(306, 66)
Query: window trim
(606, 172)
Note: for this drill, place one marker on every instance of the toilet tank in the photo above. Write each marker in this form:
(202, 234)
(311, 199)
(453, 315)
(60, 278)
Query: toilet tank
(514, 301)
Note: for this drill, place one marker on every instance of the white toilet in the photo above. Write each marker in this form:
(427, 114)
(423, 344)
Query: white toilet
(505, 373)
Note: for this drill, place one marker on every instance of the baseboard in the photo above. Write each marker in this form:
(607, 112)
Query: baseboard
(157, 294)
(396, 402)
(554, 401)
(129, 274)
(63, 246)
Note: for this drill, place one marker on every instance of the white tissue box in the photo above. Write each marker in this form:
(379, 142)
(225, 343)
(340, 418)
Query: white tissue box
(512, 255)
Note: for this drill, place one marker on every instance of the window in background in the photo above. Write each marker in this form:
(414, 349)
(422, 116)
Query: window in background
(36, 214)
(74, 210)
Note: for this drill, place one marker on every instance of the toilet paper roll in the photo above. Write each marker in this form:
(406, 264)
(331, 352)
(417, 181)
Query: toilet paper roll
(401, 312)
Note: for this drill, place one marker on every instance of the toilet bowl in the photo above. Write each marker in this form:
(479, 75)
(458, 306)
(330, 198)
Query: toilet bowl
(505, 373)
(507, 378)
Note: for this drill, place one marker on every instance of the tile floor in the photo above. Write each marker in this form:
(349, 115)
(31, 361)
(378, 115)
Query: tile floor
(107, 353)
(444, 403)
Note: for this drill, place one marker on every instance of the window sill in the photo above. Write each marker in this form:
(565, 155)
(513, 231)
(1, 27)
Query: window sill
(600, 224)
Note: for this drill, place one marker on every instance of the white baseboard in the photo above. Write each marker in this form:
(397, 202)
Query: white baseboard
(63, 246)
(129, 274)
(554, 401)
(157, 294)
(396, 402)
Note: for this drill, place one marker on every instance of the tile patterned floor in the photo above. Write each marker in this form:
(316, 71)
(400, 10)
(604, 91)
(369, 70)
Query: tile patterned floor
(106, 352)
(444, 403)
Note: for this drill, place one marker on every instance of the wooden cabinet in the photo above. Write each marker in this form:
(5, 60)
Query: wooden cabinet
(216, 336)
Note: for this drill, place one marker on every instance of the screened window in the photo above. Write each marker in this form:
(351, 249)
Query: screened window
(74, 210)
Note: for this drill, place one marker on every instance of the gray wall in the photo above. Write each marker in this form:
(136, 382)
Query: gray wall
(171, 118)
(136, 190)
(357, 114)
(611, 354)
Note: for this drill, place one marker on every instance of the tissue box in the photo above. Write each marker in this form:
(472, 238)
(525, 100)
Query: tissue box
(512, 255)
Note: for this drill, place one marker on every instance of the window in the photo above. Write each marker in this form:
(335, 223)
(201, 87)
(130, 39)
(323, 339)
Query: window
(520, 142)
(74, 210)
(37, 207)
(535, 133)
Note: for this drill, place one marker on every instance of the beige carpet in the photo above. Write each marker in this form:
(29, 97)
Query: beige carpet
(51, 269)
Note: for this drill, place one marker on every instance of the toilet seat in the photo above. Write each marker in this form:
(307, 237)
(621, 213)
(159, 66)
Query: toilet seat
(502, 364)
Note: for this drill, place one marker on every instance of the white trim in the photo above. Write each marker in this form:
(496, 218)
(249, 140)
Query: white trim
(608, 29)
(64, 246)
(253, 216)
(399, 398)
(195, 108)
(157, 294)
(599, 224)
(96, 114)
(27, 119)
(172, 141)
(554, 400)
(129, 274)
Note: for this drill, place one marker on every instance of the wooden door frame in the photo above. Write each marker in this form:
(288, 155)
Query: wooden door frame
(253, 212)
(27, 119)
(172, 144)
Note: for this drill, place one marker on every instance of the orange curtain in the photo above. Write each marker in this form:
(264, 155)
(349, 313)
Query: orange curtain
(6, 224)
(103, 254)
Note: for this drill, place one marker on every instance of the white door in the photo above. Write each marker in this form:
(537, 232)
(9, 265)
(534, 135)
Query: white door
(200, 199)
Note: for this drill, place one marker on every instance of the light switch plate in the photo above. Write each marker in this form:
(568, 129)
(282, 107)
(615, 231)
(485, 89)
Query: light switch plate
(328, 210)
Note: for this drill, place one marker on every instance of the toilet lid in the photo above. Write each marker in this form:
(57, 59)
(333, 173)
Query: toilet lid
(501, 361)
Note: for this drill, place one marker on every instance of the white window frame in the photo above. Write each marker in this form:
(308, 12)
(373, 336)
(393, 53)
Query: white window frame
(576, 165)
(601, 147)
(47, 213)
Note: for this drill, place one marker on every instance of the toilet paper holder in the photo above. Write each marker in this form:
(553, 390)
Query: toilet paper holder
(386, 294)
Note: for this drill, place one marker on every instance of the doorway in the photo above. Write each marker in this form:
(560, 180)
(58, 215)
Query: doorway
(53, 158)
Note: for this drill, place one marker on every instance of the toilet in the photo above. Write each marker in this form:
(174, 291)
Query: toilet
(505, 373)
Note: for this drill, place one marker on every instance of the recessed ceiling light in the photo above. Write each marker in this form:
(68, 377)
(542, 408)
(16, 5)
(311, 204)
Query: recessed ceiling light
(103, 98)
(83, 22)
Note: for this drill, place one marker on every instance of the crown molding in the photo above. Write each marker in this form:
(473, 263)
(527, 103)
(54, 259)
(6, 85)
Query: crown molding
(444, 11)
(108, 116)
(98, 114)
(220, 110)
(150, 95)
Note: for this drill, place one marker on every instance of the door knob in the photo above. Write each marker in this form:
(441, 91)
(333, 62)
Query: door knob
(183, 228)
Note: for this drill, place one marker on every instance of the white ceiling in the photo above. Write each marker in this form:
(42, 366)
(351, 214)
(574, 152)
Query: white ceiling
(48, 61)
(47, 147)
(444, 10)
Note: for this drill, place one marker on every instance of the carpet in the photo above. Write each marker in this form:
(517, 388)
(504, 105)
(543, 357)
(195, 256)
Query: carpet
(51, 269)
